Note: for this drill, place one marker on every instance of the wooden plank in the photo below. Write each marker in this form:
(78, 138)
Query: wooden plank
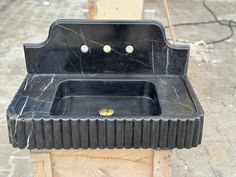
(121, 9)
(169, 20)
(41, 164)
(102, 162)
(162, 163)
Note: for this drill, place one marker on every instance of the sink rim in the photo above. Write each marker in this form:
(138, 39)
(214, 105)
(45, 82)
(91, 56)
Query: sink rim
(12, 114)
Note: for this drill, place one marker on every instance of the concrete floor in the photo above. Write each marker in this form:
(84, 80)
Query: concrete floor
(211, 71)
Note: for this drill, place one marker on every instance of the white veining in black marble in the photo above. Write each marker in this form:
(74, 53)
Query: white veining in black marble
(65, 87)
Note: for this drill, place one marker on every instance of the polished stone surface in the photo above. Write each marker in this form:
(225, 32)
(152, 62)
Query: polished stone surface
(61, 53)
(83, 67)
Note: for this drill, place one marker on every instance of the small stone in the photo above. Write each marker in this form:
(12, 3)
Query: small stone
(205, 60)
(12, 157)
(46, 3)
(186, 167)
(214, 61)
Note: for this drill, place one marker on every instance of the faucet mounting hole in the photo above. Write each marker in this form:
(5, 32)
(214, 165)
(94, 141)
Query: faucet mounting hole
(84, 48)
(107, 48)
(129, 49)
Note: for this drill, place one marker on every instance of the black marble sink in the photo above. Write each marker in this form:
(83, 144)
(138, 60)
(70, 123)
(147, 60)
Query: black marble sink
(87, 66)
(86, 98)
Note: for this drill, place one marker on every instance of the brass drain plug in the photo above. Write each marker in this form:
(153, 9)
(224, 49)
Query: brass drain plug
(106, 112)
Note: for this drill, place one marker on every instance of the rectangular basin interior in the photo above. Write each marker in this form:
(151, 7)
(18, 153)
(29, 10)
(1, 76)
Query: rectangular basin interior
(86, 98)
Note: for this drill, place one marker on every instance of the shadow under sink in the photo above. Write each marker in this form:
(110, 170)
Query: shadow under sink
(126, 98)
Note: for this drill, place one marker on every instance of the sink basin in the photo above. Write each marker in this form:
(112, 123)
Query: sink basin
(86, 98)
(105, 84)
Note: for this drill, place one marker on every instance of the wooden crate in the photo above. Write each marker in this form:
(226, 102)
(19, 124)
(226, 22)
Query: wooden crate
(101, 163)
